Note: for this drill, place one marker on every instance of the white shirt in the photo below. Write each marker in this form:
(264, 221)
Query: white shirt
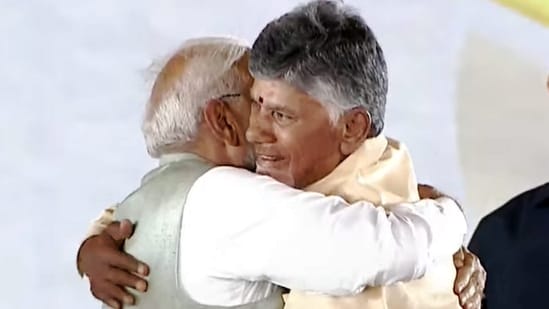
(242, 232)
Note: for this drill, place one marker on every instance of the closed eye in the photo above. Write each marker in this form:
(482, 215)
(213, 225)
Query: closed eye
(281, 117)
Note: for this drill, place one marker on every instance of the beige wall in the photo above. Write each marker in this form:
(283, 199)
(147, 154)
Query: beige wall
(502, 110)
(503, 124)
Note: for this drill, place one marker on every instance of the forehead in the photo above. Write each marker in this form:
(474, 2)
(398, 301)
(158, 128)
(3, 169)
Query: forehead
(276, 93)
(267, 87)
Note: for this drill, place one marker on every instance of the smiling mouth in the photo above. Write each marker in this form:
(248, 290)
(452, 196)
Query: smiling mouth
(268, 157)
(267, 160)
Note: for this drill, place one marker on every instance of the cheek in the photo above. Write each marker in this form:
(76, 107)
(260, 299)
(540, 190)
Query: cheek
(244, 120)
(313, 151)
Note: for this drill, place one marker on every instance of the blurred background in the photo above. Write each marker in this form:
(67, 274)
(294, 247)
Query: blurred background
(467, 95)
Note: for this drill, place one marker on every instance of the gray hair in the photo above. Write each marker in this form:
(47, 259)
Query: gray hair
(325, 49)
(174, 110)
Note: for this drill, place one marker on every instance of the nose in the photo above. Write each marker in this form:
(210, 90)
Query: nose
(260, 130)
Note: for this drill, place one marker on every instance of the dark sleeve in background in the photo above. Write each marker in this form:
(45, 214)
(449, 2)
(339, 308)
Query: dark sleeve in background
(513, 245)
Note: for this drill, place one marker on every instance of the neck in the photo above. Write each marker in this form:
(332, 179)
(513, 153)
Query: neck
(206, 148)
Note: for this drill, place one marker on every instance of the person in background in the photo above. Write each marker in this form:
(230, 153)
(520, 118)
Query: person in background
(513, 244)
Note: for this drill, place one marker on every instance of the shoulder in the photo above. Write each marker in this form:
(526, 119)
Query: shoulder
(517, 208)
(502, 227)
(225, 175)
(231, 184)
(215, 180)
(227, 171)
(238, 180)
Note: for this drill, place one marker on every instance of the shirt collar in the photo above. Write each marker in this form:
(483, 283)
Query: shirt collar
(166, 159)
(174, 157)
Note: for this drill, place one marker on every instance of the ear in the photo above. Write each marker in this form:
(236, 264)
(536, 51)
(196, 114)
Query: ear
(221, 122)
(356, 128)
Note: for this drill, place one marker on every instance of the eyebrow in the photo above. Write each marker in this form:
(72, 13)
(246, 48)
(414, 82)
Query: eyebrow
(229, 95)
(276, 107)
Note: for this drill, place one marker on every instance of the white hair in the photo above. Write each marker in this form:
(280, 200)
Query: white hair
(173, 115)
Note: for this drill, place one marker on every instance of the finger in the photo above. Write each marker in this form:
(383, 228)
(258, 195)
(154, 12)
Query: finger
(462, 279)
(459, 258)
(482, 280)
(460, 254)
(126, 228)
(99, 295)
(127, 262)
(113, 304)
(113, 230)
(126, 279)
(121, 295)
(475, 303)
(471, 290)
(465, 271)
(101, 291)
(470, 260)
(119, 231)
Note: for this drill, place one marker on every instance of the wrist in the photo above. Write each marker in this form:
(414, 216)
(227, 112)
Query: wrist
(79, 253)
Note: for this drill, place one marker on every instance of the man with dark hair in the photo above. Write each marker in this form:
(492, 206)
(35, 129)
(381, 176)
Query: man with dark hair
(321, 71)
(321, 56)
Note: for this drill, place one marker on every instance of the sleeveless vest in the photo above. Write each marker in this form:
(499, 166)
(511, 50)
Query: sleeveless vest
(156, 209)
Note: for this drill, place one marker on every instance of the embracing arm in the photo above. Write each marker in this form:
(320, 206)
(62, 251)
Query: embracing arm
(110, 270)
(265, 230)
(97, 226)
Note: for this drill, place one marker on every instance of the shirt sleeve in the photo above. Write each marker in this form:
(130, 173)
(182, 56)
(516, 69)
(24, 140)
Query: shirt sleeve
(98, 225)
(251, 227)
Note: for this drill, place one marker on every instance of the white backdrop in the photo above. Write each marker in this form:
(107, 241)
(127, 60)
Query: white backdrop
(72, 90)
